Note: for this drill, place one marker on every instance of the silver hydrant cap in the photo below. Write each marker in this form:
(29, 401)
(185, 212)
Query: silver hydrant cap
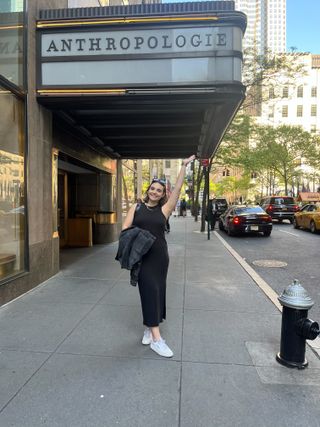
(295, 296)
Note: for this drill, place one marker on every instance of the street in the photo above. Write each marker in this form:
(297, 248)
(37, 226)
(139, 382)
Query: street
(299, 249)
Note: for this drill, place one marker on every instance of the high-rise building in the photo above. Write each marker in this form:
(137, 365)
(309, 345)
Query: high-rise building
(266, 27)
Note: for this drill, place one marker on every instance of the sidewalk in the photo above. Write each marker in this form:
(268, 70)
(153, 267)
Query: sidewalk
(71, 352)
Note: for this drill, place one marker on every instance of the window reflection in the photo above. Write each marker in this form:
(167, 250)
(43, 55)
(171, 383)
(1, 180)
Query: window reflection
(12, 200)
(11, 40)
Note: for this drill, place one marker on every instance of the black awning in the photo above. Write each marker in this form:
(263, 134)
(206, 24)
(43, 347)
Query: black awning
(153, 125)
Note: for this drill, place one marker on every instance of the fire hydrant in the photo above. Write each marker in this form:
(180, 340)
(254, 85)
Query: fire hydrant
(296, 328)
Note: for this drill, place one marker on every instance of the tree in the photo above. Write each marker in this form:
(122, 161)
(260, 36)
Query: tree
(281, 150)
(233, 185)
(262, 72)
(235, 141)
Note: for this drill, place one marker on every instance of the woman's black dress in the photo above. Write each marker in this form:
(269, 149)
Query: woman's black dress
(154, 266)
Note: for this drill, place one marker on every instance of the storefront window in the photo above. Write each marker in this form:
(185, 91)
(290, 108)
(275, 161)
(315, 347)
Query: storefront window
(11, 40)
(12, 185)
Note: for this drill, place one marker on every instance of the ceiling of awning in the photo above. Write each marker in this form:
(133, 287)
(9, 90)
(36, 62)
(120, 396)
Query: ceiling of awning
(150, 124)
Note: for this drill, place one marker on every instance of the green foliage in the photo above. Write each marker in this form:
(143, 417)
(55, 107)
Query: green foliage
(232, 184)
(235, 141)
(261, 72)
(279, 150)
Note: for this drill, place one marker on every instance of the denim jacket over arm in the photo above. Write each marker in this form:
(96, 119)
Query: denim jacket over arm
(134, 242)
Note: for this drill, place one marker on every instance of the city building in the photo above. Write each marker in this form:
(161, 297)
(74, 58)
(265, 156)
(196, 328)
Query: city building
(296, 102)
(266, 27)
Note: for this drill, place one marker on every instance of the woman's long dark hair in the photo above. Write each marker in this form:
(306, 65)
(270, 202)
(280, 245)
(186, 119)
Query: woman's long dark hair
(163, 199)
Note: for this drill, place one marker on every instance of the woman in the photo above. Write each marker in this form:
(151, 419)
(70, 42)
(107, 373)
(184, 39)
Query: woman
(152, 215)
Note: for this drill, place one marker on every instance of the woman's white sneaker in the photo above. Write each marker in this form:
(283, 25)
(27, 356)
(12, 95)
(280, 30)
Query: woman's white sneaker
(161, 348)
(147, 337)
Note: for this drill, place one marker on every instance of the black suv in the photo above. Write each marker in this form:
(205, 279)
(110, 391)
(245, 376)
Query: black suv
(280, 207)
(221, 205)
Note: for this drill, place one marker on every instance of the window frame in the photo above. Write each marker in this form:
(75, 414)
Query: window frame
(285, 111)
(300, 91)
(299, 110)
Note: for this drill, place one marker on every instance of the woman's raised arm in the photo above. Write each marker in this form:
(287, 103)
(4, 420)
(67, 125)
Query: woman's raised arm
(169, 207)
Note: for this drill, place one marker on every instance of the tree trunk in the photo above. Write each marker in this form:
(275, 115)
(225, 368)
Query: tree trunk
(125, 191)
(193, 211)
(204, 204)
(196, 202)
(285, 185)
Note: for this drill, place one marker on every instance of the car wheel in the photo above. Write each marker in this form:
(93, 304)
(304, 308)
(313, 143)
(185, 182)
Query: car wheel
(280, 221)
(221, 227)
(291, 220)
(313, 228)
(267, 233)
(295, 224)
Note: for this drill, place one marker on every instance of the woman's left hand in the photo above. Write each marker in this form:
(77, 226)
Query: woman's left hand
(188, 160)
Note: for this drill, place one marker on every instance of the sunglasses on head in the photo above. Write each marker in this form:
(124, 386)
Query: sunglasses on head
(160, 181)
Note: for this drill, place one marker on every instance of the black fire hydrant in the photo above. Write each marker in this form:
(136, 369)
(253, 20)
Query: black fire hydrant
(296, 328)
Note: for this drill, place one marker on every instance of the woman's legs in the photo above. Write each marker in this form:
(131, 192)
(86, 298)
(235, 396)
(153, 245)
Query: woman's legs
(155, 330)
(159, 345)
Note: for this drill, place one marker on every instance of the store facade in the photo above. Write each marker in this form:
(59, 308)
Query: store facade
(56, 190)
(83, 89)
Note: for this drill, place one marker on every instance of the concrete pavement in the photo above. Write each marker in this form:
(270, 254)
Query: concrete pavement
(71, 352)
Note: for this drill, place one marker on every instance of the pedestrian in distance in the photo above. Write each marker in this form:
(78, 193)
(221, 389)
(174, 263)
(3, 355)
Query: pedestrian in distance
(167, 229)
(151, 215)
(213, 213)
(183, 207)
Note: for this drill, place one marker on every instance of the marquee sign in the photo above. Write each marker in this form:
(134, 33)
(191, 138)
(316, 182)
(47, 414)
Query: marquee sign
(136, 42)
(111, 57)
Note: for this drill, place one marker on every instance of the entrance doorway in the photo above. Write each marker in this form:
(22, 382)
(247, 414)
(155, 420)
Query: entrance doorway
(85, 204)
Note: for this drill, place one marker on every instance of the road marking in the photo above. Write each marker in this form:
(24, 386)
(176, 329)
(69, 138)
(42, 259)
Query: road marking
(288, 232)
(263, 285)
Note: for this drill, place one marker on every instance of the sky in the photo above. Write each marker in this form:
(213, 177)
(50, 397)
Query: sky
(303, 25)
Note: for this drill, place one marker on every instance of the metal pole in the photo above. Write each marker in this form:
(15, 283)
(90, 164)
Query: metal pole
(208, 197)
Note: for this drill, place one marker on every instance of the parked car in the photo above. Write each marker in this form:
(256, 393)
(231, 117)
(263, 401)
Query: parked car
(221, 205)
(308, 217)
(245, 219)
(280, 207)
